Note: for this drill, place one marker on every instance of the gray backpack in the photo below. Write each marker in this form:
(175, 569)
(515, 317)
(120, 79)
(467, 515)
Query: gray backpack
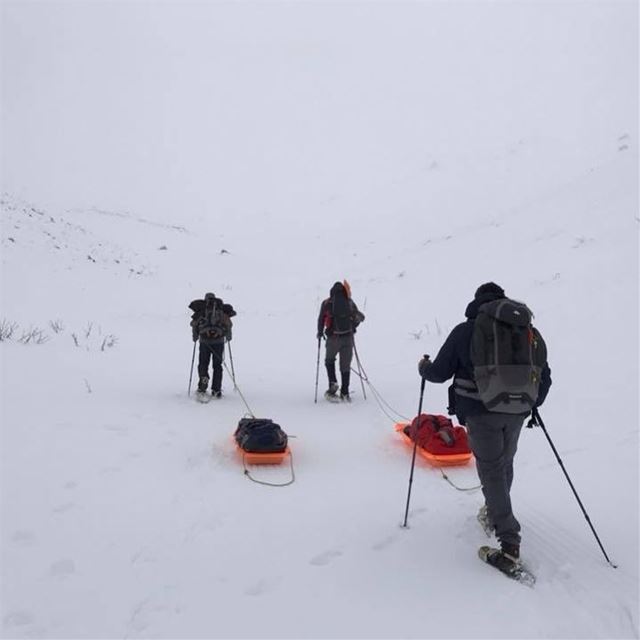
(508, 355)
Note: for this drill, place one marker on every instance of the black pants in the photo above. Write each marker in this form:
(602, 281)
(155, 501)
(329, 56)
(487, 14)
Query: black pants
(213, 353)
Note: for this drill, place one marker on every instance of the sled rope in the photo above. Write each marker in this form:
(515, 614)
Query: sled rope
(455, 486)
(381, 401)
(237, 388)
(270, 484)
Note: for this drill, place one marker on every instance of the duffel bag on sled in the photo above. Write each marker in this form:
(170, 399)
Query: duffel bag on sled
(440, 442)
(261, 441)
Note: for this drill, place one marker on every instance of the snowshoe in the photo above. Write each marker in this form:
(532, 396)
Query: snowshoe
(331, 394)
(202, 396)
(513, 569)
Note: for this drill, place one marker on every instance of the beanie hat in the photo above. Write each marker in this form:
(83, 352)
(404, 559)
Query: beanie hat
(489, 289)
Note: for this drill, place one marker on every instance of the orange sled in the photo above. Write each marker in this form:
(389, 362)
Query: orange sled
(438, 460)
(263, 458)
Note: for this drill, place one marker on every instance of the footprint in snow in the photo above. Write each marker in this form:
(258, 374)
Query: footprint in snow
(62, 569)
(17, 619)
(63, 508)
(23, 538)
(325, 558)
(383, 544)
(260, 587)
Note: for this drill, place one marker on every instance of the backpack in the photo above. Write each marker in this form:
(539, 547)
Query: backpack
(260, 435)
(508, 355)
(212, 323)
(339, 319)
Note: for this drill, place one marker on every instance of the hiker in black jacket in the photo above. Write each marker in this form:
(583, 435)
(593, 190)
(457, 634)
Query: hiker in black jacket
(339, 318)
(211, 324)
(493, 437)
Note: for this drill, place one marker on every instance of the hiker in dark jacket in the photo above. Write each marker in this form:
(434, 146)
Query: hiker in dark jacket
(211, 324)
(493, 437)
(338, 319)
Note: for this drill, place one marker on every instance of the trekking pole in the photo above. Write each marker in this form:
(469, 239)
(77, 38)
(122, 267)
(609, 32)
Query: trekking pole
(536, 420)
(413, 458)
(193, 359)
(233, 373)
(317, 369)
(359, 366)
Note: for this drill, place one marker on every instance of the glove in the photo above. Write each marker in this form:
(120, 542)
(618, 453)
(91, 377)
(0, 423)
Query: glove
(194, 335)
(320, 335)
(423, 365)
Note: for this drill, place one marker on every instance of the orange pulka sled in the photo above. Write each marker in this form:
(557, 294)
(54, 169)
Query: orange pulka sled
(459, 455)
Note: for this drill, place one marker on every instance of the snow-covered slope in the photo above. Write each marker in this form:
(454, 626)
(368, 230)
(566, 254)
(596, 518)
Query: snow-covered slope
(125, 510)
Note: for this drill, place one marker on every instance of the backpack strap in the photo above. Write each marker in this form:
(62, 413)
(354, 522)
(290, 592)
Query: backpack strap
(466, 388)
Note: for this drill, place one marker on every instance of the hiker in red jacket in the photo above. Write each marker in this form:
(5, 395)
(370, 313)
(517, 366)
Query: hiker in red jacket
(338, 319)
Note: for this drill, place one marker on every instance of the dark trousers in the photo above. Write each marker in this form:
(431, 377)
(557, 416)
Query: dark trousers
(213, 353)
(493, 438)
(339, 346)
(342, 346)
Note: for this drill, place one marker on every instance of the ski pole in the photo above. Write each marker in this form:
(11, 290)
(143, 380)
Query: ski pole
(536, 420)
(353, 339)
(317, 369)
(193, 359)
(413, 458)
(233, 373)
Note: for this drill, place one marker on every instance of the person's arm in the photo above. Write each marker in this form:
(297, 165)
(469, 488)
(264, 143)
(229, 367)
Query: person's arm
(323, 308)
(545, 384)
(447, 362)
(356, 315)
(195, 332)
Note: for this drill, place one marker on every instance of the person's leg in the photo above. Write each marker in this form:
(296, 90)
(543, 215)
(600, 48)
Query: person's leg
(512, 430)
(203, 367)
(493, 439)
(330, 363)
(346, 356)
(217, 353)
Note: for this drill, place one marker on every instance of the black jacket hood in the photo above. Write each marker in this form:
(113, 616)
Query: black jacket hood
(472, 308)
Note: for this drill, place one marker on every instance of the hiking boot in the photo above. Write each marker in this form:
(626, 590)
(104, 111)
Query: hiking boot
(345, 397)
(511, 551)
(503, 562)
(216, 394)
(203, 383)
(332, 390)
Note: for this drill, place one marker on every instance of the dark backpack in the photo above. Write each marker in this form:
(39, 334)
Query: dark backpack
(260, 435)
(211, 323)
(508, 355)
(340, 319)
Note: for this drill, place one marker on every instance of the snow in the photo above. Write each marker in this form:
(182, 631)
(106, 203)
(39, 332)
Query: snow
(416, 149)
